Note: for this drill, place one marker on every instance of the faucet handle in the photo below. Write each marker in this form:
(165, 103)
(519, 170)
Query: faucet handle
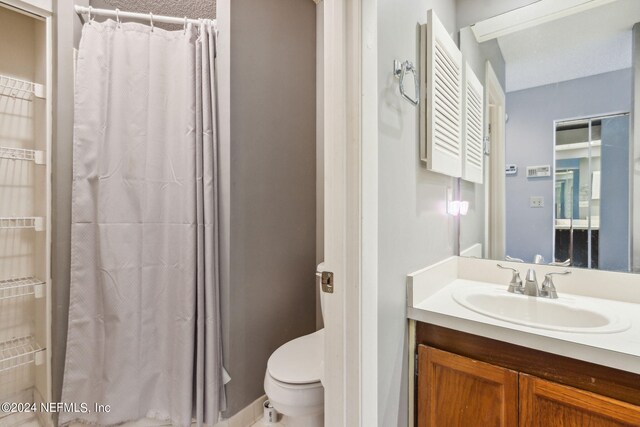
(515, 286)
(548, 289)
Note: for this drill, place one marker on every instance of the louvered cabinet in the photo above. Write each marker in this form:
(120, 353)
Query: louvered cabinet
(473, 127)
(452, 107)
(441, 106)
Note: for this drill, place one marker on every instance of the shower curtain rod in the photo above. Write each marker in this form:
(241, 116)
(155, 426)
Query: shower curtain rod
(84, 10)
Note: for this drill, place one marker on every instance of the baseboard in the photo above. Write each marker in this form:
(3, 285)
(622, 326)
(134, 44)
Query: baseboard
(247, 416)
(244, 418)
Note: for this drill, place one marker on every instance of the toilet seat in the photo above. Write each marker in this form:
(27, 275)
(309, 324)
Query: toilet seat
(298, 361)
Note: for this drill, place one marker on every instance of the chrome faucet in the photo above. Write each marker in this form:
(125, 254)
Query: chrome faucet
(530, 288)
(548, 289)
(531, 284)
(515, 286)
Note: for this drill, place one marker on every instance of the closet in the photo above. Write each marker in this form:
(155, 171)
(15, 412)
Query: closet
(25, 212)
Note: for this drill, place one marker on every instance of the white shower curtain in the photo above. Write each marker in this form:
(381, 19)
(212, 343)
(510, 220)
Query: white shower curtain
(144, 322)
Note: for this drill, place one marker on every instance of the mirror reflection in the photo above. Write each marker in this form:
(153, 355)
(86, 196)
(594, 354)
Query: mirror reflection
(558, 181)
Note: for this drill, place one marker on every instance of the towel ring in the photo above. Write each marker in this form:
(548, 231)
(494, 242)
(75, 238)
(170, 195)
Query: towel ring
(151, 20)
(400, 70)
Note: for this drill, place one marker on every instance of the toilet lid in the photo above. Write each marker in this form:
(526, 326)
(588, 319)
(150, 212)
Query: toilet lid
(299, 361)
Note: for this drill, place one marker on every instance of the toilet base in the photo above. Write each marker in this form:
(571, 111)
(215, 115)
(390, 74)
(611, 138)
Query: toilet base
(285, 421)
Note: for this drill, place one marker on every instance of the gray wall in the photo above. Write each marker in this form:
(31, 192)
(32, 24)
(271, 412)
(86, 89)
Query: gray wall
(529, 142)
(271, 292)
(635, 154)
(191, 8)
(413, 227)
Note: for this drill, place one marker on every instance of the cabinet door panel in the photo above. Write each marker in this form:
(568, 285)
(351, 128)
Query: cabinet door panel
(547, 404)
(458, 391)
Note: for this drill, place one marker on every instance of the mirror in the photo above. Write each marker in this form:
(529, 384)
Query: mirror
(558, 175)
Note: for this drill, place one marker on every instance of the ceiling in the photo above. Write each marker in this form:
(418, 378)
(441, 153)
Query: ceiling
(587, 43)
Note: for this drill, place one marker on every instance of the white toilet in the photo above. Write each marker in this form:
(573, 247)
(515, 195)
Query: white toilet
(293, 381)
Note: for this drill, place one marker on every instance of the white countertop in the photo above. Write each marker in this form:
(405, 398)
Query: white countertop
(430, 301)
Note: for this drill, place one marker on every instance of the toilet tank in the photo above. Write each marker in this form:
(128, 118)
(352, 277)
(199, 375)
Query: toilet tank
(319, 271)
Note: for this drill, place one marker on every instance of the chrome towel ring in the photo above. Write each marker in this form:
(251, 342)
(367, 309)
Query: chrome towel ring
(400, 70)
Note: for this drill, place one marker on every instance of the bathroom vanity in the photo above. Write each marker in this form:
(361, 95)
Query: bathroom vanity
(572, 361)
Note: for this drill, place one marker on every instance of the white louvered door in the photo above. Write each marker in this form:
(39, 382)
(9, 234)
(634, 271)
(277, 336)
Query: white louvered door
(473, 155)
(441, 111)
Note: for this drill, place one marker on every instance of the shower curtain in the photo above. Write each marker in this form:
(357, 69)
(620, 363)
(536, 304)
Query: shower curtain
(144, 332)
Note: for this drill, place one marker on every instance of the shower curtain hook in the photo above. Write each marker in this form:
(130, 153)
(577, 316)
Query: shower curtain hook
(90, 9)
(151, 20)
(185, 25)
(118, 16)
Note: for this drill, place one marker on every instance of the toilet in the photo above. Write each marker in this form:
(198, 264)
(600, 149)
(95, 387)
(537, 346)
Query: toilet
(293, 381)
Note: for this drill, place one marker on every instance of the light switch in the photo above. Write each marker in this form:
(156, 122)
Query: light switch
(536, 202)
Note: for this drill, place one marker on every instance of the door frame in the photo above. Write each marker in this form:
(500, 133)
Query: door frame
(495, 191)
(350, 380)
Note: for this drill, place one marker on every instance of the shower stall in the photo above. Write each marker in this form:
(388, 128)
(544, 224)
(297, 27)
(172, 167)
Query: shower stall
(592, 192)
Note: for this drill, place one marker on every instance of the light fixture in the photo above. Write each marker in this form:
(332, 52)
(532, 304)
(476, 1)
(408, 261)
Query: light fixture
(531, 15)
(464, 207)
(456, 207)
(453, 207)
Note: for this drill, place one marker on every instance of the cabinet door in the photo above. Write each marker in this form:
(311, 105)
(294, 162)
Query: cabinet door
(458, 391)
(547, 404)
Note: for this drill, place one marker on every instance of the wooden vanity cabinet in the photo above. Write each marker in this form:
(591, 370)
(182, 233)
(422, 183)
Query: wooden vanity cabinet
(464, 380)
(545, 403)
(458, 391)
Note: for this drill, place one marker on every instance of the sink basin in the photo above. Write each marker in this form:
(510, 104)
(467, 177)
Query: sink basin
(565, 314)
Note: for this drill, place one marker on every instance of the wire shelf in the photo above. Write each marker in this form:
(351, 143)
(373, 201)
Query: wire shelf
(20, 89)
(22, 222)
(18, 352)
(24, 286)
(22, 154)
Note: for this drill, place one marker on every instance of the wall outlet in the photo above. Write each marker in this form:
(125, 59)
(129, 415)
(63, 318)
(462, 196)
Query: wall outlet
(536, 202)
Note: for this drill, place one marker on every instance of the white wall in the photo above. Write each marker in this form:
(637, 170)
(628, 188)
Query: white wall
(413, 228)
